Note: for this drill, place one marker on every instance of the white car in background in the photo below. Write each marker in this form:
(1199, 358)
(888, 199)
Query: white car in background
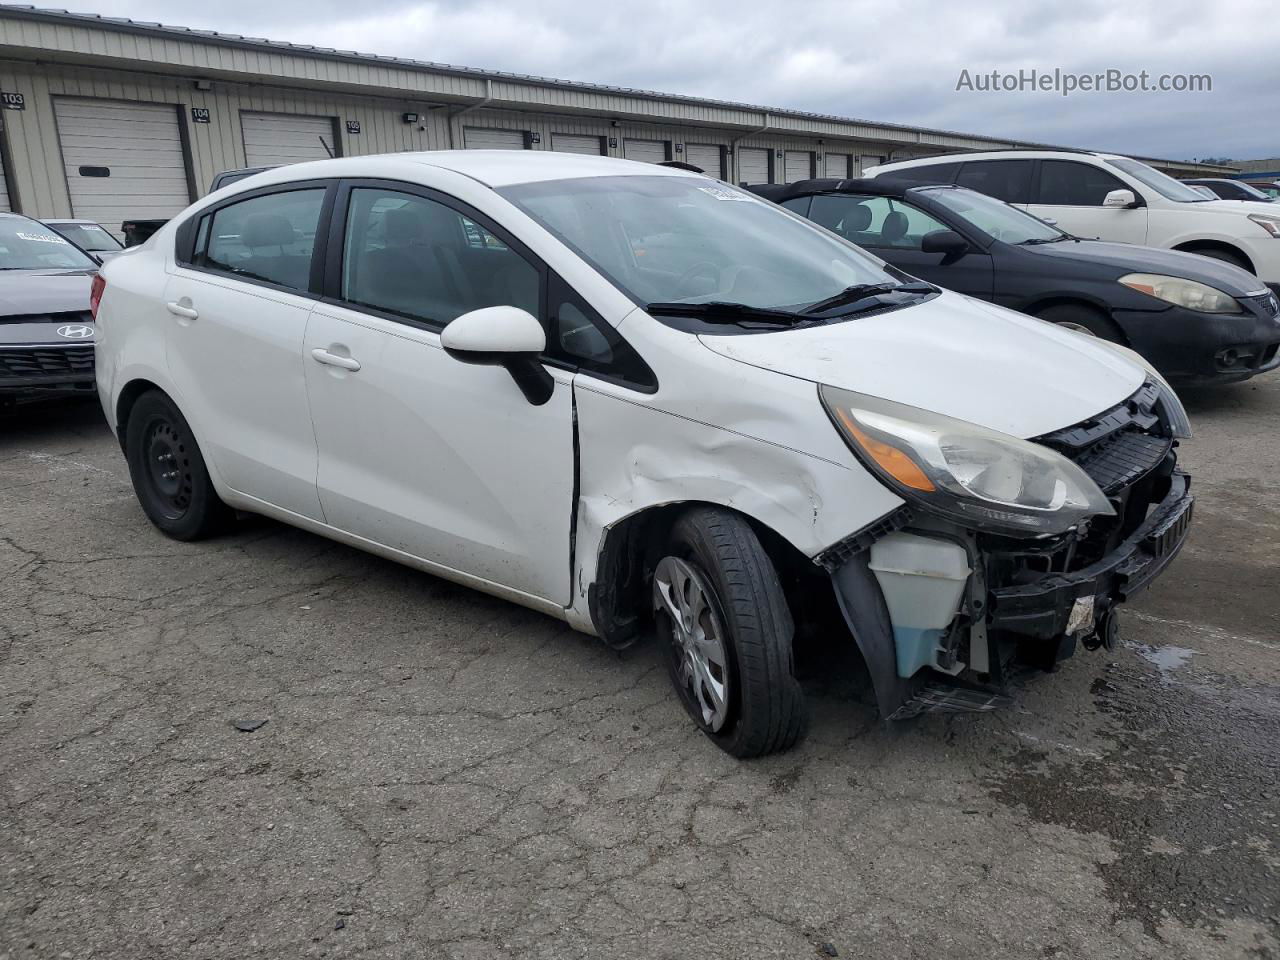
(89, 236)
(1109, 197)
(633, 398)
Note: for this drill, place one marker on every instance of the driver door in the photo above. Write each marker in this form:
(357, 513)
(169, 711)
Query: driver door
(441, 460)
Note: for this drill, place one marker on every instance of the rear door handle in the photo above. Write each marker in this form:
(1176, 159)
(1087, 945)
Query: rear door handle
(321, 355)
(179, 309)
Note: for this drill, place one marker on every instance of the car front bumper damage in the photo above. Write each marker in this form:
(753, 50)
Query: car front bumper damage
(1024, 600)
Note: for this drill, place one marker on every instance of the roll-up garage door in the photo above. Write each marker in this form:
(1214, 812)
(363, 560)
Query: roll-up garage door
(5, 206)
(572, 143)
(799, 165)
(753, 165)
(122, 160)
(837, 165)
(646, 151)
(707, 156)
(866, 162)
(274, 139)
(483, 138)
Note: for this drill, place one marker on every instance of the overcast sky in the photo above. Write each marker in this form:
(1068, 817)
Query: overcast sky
(896, 62)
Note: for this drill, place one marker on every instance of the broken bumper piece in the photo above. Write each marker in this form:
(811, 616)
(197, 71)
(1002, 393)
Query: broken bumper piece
(1073, 604)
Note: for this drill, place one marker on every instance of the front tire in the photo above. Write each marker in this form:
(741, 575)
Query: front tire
(727, 630)
(1084, 320)
(168, 471)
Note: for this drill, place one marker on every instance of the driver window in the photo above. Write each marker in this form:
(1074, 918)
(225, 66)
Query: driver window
(422, 260)
(874, 221)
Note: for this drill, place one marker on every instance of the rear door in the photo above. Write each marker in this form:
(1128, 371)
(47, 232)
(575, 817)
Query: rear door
(894, 230)
(1070, 193)
(238, 303)
(441, 460)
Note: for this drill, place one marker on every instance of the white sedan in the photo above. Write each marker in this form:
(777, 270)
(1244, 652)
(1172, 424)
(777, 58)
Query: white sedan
(639, 400)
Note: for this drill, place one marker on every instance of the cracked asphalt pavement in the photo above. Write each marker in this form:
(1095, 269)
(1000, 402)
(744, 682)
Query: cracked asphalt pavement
(270, 746)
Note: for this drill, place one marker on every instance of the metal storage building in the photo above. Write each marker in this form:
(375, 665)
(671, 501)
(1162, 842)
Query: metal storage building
(111, 119)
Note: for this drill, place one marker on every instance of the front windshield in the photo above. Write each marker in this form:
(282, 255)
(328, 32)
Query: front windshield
(27, 245)
(992, 216)
(1161, 183)
(664, 239)
(1253, 192)
(89, 236)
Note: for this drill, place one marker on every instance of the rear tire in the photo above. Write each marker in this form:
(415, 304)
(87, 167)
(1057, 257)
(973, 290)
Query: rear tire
(1083, 319)
(168, 471)
(732, 662)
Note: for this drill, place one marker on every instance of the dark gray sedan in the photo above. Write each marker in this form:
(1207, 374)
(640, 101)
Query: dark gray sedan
(46, 328)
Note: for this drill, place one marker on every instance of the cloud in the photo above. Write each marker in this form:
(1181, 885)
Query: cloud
(894, 63)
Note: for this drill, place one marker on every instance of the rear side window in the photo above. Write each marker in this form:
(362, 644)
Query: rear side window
(1066, 183)
(926, 173)
(420, 259)
(1007, 180)
(267, 238)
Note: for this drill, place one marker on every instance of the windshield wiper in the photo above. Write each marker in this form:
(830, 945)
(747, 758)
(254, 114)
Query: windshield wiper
(723, 311)
(863, 291)
(1034, 240)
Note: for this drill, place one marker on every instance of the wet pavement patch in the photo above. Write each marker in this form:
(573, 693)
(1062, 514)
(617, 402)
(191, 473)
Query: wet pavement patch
(1186, 785)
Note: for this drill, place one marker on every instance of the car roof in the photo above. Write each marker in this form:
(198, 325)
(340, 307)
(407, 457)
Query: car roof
(996, 155)
(53, 220)
(885, 186)
(495, 168)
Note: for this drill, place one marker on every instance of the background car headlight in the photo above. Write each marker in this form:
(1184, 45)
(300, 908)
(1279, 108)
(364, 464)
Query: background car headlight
(975, 476)
(1184, 293)
(1269, 224)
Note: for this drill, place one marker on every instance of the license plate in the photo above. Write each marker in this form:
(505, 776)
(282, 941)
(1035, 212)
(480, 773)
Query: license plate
(1081, 619)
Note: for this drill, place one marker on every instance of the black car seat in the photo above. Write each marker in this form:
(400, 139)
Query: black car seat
(894, 229)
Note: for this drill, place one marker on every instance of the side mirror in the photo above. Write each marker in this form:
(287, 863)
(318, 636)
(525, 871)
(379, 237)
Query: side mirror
(503, 337)
(946, 242)
(1123, 199)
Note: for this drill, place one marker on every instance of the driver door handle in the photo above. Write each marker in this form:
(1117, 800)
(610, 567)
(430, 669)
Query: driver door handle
(321, 355)
(182, 310)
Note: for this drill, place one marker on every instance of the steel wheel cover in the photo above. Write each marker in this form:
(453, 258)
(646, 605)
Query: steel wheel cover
(681, 594)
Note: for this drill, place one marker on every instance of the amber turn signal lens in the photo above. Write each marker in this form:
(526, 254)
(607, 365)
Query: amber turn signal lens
(891, 460)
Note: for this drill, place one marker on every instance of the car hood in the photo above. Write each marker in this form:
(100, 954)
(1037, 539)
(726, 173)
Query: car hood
(955, 356)
(27, 292)
(1128, 258)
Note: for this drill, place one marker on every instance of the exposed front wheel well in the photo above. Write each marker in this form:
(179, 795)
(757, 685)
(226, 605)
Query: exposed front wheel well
(619, 597)
(124, 405)
(1218, 251)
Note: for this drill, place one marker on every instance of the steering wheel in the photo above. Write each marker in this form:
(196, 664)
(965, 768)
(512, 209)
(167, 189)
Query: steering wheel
(699, 269)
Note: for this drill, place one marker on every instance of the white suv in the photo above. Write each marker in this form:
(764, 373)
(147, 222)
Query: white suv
(635, 398)
(1113, 198)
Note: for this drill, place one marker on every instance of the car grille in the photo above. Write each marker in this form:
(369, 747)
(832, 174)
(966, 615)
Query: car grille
(1126, 452)
(1267, 303)
(46, 362)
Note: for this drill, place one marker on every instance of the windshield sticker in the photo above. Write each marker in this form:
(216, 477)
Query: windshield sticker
(720, 193)
(40, 237)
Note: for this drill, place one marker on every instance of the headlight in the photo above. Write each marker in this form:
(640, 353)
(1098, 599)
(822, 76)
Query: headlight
(978, 477)
(1269, 224)
(1175, 414)
(1183, 293)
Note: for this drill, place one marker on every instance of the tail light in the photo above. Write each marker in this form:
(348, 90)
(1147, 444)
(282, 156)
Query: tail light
(96, 291)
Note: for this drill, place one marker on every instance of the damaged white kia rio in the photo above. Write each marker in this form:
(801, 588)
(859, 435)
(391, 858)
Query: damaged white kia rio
(644, 401)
